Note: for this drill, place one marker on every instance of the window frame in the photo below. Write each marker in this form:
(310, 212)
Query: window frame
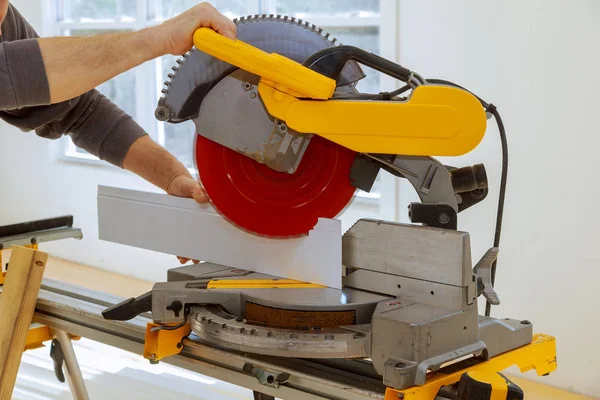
(147, 95)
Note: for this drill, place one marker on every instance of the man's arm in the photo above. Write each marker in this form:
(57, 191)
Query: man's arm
(153, 163)
(75, 65)
(94, 122)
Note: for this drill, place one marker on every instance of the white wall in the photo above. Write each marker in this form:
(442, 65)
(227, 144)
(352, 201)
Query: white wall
(538, 61)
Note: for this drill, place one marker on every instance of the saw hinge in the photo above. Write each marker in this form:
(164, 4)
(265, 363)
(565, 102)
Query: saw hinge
(266, 377)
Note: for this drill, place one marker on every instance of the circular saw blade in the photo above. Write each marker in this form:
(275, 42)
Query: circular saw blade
(250, 194)
(277, 204)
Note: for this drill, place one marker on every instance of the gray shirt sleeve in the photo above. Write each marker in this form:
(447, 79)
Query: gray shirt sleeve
(93, 122)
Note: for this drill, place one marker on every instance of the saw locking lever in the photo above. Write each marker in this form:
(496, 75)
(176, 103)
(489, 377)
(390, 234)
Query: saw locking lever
(483, 271)
(130, 308)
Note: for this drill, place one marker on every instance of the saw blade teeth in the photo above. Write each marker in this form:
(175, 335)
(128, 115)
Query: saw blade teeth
(245, 19)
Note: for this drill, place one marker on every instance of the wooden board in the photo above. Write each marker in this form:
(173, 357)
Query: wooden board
(17, 304)
(182, 227)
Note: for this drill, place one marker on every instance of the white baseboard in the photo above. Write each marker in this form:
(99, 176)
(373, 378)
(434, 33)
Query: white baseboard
(182, 227)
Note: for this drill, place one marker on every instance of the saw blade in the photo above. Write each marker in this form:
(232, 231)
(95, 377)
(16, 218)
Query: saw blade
(248, 193)
(276, 204)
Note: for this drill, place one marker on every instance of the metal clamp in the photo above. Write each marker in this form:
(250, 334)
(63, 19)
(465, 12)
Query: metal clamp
(164, 340)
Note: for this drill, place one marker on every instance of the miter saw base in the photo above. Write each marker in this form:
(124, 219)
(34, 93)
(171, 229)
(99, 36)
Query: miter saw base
(409, 305)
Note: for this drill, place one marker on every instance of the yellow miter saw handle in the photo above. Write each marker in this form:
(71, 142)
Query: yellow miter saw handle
(436, 120)
(275, 70)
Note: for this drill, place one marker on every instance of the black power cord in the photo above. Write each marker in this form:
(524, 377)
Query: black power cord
(504, 174)
(492, 109)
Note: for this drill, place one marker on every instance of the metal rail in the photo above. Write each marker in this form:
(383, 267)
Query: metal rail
(78, 311)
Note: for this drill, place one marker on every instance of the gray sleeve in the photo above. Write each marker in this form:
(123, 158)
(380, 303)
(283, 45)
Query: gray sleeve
(95, 124)
(22, 75)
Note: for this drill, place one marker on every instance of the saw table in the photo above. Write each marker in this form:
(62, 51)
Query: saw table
(79, 311)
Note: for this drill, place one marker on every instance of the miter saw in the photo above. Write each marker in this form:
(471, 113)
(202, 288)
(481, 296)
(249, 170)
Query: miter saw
(284, 138)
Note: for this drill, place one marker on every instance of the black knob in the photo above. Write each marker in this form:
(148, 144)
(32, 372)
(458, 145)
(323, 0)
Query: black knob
(467, 179)
(176, 307)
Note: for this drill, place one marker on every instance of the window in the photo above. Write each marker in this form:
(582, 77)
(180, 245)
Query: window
(353, 22)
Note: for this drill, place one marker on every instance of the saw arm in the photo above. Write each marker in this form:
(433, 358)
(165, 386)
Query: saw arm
(436, 120)
(285, 138)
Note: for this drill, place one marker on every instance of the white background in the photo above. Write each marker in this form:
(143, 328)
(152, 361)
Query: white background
(538, 61)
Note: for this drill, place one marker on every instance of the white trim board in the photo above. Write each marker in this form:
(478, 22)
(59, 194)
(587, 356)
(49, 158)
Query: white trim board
(182, 227)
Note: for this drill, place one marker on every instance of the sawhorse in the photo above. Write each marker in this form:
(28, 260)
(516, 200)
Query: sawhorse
(21, 283)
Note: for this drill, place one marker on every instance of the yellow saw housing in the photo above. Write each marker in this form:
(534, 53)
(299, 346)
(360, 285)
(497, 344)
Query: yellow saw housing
(434, 121)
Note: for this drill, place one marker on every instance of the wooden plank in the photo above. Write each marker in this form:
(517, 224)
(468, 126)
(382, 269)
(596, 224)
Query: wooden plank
(17, 305)
(182, 227)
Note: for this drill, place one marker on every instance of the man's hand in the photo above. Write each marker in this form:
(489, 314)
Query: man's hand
(177, 32)
(186, 186)
(75, 65)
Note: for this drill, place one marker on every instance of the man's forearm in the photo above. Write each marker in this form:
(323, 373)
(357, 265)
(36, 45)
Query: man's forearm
(156, 165)
(153, 163)
(75, 65)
